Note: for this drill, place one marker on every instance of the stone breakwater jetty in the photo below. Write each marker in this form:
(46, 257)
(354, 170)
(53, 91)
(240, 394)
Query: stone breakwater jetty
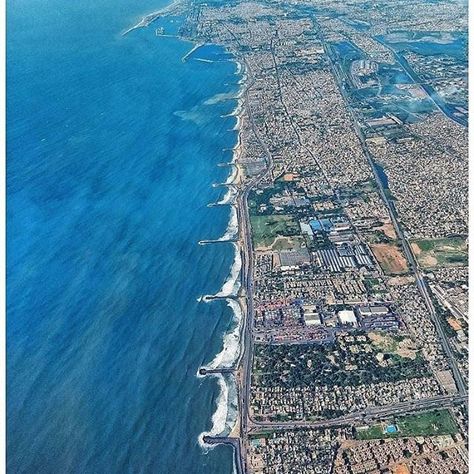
(234, 442)
(144, 22)
(193, 50)
(217, 241)
(222, 370)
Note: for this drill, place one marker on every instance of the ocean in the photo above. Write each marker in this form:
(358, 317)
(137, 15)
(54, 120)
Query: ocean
(113, 146)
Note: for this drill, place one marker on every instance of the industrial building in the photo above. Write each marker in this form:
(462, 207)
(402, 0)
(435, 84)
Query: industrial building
(347, 316)
(341, 257)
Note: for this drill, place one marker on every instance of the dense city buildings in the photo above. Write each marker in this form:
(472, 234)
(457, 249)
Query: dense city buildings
(353, 210)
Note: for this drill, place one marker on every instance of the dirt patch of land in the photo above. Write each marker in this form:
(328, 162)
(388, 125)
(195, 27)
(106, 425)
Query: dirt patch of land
(378, 338)
(404, 348)
(388, 230)
(390, 258)
(416, 249)
(428, 261)
(454, 324)
(401, 469)
(407, 348)
(431, 253)
(283, 243)
(400, 280)
(289, 177)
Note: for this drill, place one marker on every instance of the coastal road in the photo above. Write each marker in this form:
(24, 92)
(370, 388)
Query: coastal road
(246, 356)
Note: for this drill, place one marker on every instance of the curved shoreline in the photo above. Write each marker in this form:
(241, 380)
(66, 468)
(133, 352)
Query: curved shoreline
(225, 417)
(147, 20)
(238, 306)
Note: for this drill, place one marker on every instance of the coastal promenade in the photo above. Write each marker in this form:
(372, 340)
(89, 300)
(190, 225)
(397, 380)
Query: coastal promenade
(247, 279)
(244, 363)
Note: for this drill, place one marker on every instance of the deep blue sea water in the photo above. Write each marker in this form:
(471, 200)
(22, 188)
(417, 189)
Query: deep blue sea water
(112, 148)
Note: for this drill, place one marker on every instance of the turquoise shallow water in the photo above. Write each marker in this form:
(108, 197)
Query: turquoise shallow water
(113, 146)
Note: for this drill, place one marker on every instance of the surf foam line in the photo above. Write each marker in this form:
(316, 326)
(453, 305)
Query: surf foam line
(225, 415)
(231, 345)
(231, 286)
(228, 198)
(232, 176)
(233, 226)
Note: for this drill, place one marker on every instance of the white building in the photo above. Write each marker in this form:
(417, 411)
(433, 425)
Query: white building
(347, 316)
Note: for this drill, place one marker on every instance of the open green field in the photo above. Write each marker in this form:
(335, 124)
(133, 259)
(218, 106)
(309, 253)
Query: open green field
(265, 229)
(433, 423)
(441, 252)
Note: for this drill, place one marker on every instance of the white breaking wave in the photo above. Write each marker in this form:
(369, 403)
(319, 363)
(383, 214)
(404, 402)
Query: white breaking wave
(228, 197)
(220, 415)
(232, 284)
(233, 227)
(238, 108)
(225, 416)
(238, 116)
(232, 176)
(231, 346)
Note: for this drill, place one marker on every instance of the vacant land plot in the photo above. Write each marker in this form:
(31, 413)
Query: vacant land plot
(433, 423)
(265, 229)
(440, 252)
(402, 469)
(388, 230)
(454, 323)
(390, 258)
(400, 345)
(285, 243)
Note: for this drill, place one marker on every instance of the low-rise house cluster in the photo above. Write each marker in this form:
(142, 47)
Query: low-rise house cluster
(420, 455)
(307, 451)
(428, 178)
(300, 403)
